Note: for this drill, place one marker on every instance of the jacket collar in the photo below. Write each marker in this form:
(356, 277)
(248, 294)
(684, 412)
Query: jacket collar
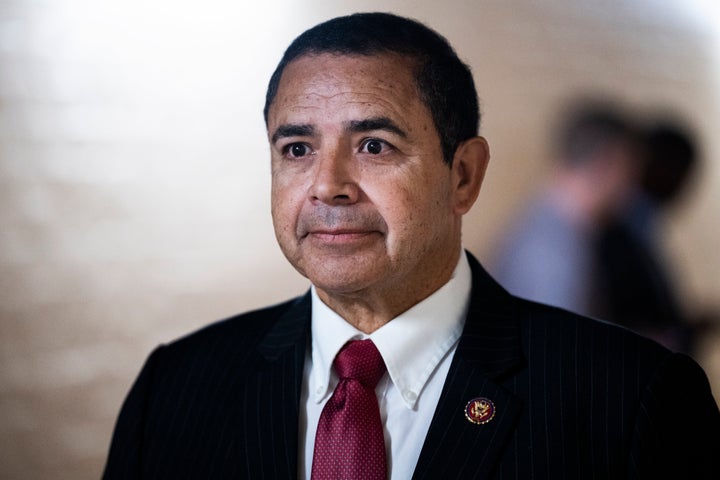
(490, 341)
(290, 330)
(489, 349)
(491, 337)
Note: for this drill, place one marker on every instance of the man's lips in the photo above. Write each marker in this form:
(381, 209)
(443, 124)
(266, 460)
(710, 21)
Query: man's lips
(331, 225)
(341, 235)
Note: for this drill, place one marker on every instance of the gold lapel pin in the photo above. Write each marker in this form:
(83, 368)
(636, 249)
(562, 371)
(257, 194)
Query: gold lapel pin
(480, 410)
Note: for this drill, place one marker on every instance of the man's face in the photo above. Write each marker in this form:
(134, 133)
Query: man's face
(361, 199)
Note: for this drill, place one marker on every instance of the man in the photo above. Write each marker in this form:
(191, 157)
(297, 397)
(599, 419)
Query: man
(372, 122)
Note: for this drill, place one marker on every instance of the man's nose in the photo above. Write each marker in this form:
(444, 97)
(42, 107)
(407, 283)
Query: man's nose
(335, 182)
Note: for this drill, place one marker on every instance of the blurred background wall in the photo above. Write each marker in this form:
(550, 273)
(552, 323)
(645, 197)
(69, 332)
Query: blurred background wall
(134, 173)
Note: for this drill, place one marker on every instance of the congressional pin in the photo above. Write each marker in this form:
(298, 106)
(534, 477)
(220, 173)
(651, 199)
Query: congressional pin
(480, 410)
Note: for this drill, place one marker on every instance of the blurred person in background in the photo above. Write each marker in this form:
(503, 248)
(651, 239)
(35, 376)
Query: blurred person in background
(549, 253)
(635, 280)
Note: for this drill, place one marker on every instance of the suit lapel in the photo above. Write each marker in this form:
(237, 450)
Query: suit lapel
(271, 441)
(489, 349)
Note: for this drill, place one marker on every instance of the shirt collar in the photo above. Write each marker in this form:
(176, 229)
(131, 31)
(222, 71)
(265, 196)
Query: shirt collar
(412, 345)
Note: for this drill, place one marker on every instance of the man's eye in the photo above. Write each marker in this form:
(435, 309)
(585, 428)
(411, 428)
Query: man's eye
(297, 150)
(373, 146)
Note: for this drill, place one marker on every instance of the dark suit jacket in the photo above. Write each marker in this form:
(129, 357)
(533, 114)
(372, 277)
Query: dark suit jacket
(574, 398)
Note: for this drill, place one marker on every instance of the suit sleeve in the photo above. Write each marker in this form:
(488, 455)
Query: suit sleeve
(126, 448)
(677, 431)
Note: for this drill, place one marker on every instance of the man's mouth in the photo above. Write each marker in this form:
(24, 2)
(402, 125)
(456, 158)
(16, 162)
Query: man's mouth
(340, 234)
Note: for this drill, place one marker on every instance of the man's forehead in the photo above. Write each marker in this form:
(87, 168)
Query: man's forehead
(382, 84)
(384, 68)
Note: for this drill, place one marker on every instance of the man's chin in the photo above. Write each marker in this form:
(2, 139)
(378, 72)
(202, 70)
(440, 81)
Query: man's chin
(343, 280)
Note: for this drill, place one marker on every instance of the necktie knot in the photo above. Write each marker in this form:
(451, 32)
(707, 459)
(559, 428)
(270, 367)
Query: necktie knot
(360, 360)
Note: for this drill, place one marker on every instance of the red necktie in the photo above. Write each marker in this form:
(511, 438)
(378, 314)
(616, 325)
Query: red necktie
(349, 443)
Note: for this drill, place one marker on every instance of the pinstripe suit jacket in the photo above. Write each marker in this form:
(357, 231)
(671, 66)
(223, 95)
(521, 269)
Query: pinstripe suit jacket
(575, 398)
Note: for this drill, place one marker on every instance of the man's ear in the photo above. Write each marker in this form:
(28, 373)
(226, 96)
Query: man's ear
(468, 170)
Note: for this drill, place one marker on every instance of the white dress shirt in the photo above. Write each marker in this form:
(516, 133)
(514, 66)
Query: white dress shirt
(417, 347)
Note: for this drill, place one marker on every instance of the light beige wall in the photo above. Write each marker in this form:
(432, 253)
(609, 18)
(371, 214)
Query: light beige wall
(134, 173)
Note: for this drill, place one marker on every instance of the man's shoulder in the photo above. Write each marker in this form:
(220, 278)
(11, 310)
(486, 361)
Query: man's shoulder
(562, 330)
(239, 333)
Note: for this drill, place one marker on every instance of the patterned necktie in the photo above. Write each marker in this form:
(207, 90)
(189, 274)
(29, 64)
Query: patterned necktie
(349, 443)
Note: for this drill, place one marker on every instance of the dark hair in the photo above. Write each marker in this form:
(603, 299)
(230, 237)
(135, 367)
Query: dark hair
(445, 83)
(589, 125)
(672, 157)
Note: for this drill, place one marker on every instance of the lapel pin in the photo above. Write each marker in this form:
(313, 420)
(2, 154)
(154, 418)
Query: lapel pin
(480, 410)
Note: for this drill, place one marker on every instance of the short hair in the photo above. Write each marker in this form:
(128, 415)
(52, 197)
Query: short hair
(444, 82)
(672, 156)
(588, 126)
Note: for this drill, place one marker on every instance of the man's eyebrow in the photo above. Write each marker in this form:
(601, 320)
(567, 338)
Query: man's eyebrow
(376, 123)
(292, 130)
